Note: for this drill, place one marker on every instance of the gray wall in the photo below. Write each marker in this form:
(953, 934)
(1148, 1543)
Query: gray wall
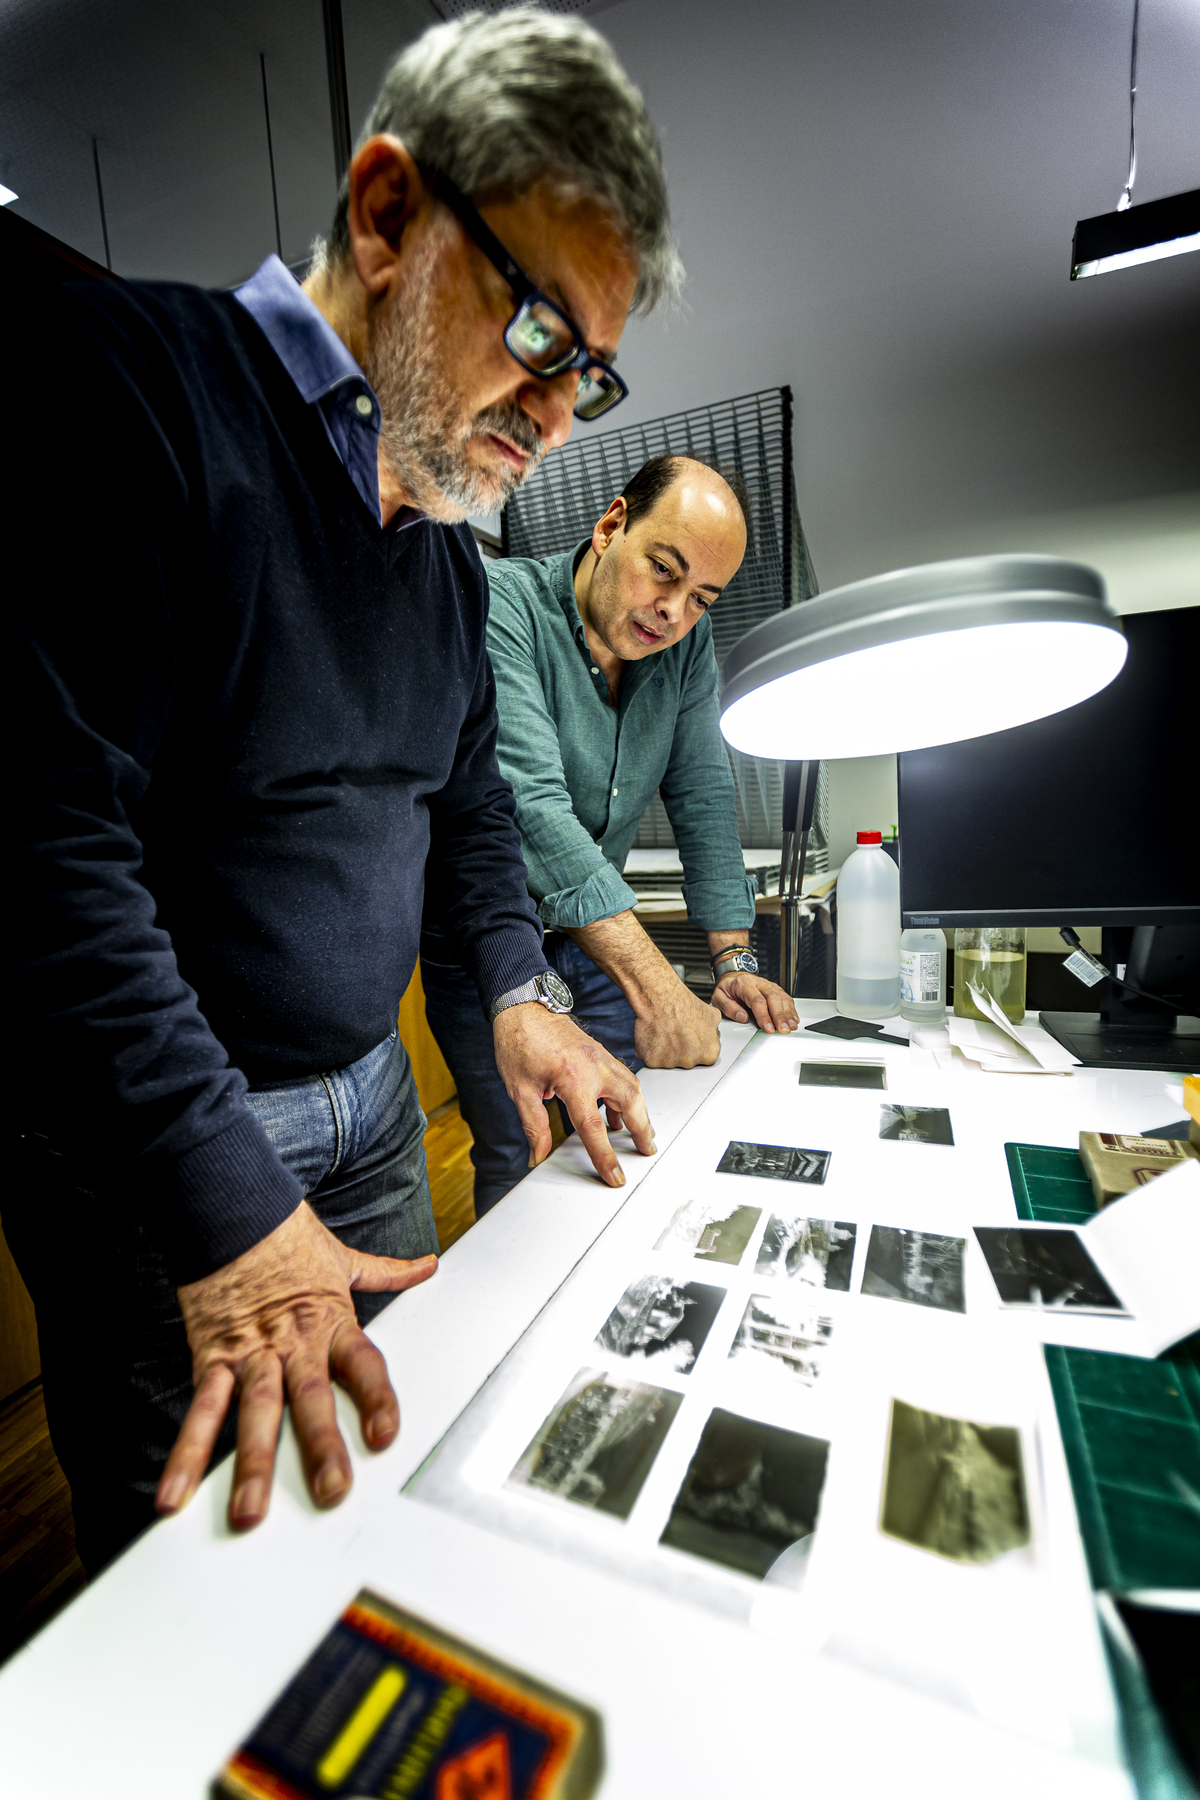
(875, 201)
(874, 198)
(173, 95)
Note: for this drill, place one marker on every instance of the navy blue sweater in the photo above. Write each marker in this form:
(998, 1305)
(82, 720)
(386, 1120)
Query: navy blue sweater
(260, 727)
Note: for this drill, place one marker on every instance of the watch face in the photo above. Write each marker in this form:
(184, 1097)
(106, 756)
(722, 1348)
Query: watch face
(556, 991)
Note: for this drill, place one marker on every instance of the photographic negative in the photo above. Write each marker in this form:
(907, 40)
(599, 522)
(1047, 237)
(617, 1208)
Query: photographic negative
(915, 1124)
(817, 1252)
(918, 1266)
(784, 1333)
(843, 1074)
(776, 1162)
(1044, 1268)
(711, 1229)
(597, 1445)
(953, 1487)
(660, 1320)
(751, 1490)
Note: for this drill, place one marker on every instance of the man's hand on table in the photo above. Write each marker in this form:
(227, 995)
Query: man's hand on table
(541, 1054)
(742, 997)
(674, 1028)
(279, 1322)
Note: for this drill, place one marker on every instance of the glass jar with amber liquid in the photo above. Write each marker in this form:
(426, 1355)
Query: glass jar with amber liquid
(993, 958)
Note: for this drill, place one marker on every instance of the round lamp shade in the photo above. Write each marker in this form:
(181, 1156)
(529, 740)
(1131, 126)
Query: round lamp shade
(921, 656)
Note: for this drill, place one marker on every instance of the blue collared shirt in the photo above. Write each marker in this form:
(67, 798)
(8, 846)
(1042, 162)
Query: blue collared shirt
(324, 371)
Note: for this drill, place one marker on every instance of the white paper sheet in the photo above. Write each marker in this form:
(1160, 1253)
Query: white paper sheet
(1147, 1247)
(1005, 1048)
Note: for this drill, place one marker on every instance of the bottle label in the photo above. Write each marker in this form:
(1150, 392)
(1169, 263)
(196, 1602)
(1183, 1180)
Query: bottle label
(920, 977)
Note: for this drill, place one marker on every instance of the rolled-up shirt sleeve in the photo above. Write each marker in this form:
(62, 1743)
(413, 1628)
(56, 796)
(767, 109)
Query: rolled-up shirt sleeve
(569, 876)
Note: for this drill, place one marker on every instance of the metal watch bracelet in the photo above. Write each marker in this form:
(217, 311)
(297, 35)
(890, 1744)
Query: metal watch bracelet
(547, 989)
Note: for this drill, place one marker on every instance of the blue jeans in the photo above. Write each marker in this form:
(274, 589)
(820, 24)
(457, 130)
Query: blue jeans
(116, 1368)
(500, 1152)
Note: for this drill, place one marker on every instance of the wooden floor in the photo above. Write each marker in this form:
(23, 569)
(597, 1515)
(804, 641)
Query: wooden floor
(39, 1570)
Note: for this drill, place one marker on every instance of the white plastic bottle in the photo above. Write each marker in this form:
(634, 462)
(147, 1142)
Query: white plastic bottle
(923, 975)
(868, 932)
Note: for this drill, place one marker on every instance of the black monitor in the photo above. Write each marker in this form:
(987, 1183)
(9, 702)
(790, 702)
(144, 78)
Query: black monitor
(1090, 817)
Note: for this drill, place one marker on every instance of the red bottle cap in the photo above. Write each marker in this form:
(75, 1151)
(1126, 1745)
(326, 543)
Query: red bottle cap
(870, 837)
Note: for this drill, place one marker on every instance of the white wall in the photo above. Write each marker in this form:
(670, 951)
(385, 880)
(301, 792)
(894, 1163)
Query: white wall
(862, 797)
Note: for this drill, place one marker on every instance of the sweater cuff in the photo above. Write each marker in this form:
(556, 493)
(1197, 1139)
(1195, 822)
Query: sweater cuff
(602, 896)
(219, 1199)
(720, 905)
(506, 959)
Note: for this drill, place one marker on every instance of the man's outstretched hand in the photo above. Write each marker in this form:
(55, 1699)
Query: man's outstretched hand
(541, 1054)
(278, 1324)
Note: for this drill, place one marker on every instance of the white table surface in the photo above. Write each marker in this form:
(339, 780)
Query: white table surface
(152, 1676)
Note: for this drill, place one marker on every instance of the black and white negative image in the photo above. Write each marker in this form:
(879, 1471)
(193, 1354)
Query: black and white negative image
(915, 1125)
(784, 1334)
(919, 1266)
(818, 1253)
(751, 1491)
(954, 1487)
(662, 1321)
(1044, 1268)
(711, 1229)
(775, 1162)
(597, 1446)
(843, 1074)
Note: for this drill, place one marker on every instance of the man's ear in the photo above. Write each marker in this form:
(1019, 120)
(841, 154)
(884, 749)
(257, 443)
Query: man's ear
(610, 526)
(386, 193)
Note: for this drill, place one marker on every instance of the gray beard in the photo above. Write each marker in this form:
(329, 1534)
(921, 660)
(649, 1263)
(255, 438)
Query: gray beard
(423, 433)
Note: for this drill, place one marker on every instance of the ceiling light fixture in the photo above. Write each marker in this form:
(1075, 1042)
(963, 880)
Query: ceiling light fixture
(1135, 234)
(923, 656)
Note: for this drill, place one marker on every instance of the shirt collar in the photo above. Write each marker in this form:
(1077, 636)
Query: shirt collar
(299, 333)
(567, 564)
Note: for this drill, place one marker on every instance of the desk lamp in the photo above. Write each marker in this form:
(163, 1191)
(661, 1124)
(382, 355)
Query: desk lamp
(910, 659)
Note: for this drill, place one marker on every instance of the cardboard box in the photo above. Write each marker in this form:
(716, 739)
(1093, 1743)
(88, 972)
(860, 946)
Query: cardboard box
(1117, 1162)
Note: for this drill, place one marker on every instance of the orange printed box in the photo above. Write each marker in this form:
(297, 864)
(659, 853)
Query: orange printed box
(390, 1708)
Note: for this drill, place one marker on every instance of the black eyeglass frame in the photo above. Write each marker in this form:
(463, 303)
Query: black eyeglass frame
(524, 292)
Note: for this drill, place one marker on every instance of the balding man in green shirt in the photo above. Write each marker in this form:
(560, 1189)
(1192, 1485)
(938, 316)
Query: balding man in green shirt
(607, 690)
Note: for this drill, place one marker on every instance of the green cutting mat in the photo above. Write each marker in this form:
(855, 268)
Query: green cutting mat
(1130, 1425)
(1050, 1185)
(1131, 1431)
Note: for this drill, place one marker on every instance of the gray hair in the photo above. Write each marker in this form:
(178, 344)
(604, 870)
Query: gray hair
(521, 98)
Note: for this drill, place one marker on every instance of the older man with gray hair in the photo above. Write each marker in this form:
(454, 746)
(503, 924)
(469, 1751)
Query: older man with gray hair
(264, 736)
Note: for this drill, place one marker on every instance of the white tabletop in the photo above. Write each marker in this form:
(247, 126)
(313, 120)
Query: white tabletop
(152, 1676)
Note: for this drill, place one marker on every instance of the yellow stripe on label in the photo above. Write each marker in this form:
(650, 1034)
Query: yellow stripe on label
(361, 1727)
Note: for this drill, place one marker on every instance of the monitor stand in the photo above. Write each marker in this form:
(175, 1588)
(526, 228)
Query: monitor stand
(1101, 1044)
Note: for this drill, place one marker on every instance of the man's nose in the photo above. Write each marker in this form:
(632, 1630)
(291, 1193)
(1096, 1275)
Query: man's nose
(551, 406)
(669, 605)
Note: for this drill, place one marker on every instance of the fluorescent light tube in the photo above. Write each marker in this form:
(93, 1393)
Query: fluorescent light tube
(1119, 240)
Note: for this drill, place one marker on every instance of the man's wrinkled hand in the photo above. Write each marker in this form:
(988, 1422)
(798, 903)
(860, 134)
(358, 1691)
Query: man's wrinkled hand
(674, 1028)
(278, 1324)
(540, 1055)
(741, 996)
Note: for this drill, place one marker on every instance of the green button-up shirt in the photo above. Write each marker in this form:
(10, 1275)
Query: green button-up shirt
(583, 772)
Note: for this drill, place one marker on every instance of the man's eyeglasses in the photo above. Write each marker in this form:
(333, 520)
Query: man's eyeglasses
(539, 335)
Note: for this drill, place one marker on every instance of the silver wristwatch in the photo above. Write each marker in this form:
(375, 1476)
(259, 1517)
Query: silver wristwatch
(745, 961)
(548, 989)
